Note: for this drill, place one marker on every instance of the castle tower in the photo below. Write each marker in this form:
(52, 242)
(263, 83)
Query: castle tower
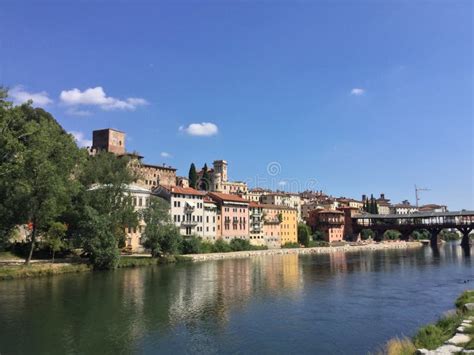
(110, 140)
(220, 169)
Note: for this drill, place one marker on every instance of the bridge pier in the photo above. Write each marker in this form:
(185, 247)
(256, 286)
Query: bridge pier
(434, 236)
(405, 235)
(465, 236)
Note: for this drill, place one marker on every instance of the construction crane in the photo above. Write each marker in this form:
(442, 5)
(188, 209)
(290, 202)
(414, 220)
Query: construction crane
(417, 195)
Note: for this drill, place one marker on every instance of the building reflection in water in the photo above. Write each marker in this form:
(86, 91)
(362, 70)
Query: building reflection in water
(217, 288)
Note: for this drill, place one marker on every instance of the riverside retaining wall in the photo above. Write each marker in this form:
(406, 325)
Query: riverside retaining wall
(316, 250)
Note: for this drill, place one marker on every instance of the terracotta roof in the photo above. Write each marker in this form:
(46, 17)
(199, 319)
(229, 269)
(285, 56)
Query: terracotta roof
(254, 204)
(277, 207)
(227, 197)
(207, 199)
(183, 190)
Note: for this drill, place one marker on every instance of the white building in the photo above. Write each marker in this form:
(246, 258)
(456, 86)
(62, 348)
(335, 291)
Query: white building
(187, 208)
(403, 208)
(210, 221)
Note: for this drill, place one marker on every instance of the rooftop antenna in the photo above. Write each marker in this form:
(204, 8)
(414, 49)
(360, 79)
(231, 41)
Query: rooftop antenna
(417, 195)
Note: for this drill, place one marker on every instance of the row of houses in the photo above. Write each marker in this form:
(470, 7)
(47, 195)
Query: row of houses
(219, 208)
(216, 216)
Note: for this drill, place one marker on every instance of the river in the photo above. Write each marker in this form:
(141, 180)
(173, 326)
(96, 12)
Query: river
(341, 303)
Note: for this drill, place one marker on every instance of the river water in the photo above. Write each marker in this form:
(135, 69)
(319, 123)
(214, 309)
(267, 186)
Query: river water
(319, 304)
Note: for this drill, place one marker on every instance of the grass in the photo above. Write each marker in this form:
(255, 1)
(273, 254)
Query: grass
(6, 255)
(434, 335)
(466, 297)
(37, 270)
(133, 261)
(398, 346)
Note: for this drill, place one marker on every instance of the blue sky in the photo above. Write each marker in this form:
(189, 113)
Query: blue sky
(348, 97)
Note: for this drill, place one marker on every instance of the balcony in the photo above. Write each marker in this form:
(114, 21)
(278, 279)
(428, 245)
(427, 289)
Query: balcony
(189, 224)
(188, 208)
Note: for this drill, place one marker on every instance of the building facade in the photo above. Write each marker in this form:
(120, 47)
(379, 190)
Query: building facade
(330, 222)
(187, 208)
(284, 199)
(109, 140)
(233, 213)
(210, 220)
(219, 180)
(256, 234)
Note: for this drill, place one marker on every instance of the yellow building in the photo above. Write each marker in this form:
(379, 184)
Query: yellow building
(289, 225)
(280, 223)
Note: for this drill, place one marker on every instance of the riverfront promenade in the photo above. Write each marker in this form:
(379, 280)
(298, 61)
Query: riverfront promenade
(315, 250)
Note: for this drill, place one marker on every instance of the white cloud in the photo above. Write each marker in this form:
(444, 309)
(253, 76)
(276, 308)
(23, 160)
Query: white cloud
(200, 129)
(165, 155)
(20, 95)
(357, 91)
(282, 183)
(80, 139)
(97, 97)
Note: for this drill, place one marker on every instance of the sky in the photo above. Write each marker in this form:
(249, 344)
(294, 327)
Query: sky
(348, 97)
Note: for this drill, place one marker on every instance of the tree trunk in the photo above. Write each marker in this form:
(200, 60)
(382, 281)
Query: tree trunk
(32, 246)
(53, 257)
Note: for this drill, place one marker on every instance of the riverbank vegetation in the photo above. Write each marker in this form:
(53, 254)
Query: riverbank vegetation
(434, 335)
(40, 269)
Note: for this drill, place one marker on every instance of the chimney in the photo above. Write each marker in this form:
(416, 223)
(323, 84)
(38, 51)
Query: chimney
(382, 196)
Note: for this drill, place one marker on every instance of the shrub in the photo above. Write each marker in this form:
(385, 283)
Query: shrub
(313, 244)
(290, 245)
(191, 245)
(221, 247)
(319, 236)
(240, 245)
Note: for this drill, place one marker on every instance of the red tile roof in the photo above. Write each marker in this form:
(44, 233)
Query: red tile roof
(183, 190)
(227, 197)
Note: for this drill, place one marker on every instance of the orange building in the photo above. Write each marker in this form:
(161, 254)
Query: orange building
(330, 222)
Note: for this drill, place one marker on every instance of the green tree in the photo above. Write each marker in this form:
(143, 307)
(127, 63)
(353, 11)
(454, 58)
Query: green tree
(448, 235)
(420, 234)
(55, 237)
(193, 177)
(319, 236)
(104, 209)
(160, 236)
(391, 234)
(304, 233)
(38, 161)
(366, 234)
(205, 183)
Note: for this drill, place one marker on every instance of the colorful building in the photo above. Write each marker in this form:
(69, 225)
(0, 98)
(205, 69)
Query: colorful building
(233, 213)
(330, 222)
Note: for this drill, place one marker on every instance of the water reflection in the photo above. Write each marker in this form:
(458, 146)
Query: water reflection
(231, 305)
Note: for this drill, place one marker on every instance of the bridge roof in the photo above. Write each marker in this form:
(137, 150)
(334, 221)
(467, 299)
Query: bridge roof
(415, 215)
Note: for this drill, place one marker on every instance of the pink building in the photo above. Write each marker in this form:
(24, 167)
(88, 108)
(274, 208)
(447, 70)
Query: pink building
(234, 216)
